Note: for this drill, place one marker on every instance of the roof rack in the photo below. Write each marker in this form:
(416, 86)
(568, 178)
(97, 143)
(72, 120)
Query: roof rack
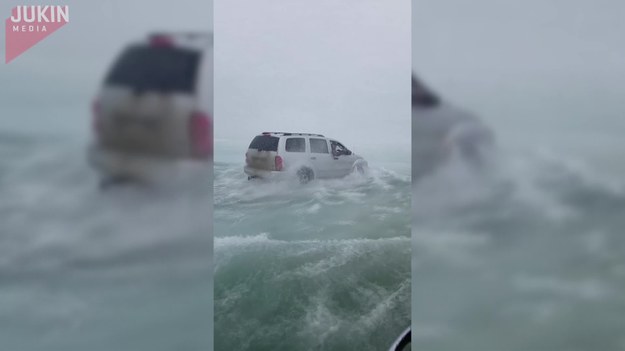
(289, 133)
(199, 39)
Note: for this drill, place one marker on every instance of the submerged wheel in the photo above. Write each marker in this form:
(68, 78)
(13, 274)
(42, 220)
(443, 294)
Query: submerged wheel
(305, 175)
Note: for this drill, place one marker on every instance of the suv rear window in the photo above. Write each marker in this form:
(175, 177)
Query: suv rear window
(163, 69)
(265, 143)
(296, 145)
(319, 146)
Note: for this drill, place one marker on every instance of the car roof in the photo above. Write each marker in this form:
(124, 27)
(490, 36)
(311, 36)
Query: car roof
(186, 40)
(279, 134)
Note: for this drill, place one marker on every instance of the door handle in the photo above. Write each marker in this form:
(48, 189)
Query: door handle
(313, 158)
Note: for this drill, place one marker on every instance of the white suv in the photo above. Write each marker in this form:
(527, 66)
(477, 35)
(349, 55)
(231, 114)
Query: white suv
(306, 156)
(155, 107)
(441, 131)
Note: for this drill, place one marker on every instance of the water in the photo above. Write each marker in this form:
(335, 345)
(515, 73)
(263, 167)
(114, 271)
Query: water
(81, 269)
(527, 256)
(320, 266)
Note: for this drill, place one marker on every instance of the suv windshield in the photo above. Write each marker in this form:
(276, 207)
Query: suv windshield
(164, 69)
(265, 143)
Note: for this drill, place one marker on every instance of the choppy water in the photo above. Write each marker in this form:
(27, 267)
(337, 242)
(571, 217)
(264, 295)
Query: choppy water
(81, 269)
(528, 256)
(321, 266)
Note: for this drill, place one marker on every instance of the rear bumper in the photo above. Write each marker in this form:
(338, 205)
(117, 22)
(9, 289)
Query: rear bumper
(260, 173)
(111, 163)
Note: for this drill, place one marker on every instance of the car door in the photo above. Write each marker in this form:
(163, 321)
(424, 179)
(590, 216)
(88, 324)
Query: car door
(321, 157)
(343, 159)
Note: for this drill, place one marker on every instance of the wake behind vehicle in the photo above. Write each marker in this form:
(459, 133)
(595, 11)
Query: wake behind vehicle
(302, 155)
(154, 110)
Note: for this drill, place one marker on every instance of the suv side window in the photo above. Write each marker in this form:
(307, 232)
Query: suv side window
(338, 149)
(295, 145)
(319, 146)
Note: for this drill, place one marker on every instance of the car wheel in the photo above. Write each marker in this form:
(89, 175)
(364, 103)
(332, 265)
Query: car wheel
(305, 175)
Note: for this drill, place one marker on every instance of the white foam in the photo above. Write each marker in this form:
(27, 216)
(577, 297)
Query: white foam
(378, 315)
(585, 289)
(460, 249)
(239, 241)
(314, 208)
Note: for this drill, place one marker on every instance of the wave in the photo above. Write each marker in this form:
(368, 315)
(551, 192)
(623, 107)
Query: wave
(55, 219)
(233, 188)
(533, 240)
(326, 294)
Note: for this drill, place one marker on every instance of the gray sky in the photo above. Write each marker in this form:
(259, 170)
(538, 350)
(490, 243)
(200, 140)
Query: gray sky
(49, 88)
(340, 68)
(540, 71)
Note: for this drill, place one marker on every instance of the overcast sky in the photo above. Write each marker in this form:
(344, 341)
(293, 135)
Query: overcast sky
(340, 68)
(49, 88)
(532, 68)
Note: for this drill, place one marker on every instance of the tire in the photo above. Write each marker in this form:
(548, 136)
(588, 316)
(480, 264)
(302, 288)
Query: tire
(305, 175)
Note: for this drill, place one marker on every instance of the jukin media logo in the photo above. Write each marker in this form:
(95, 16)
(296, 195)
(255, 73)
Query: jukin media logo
(29, 25)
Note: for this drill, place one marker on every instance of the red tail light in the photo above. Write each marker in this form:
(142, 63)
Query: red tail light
(161, 41)
(279, 164)
(201, 133)
(96, 124)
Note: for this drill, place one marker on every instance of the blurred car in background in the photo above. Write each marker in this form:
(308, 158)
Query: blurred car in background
(304, 155)
(442, 132)
(154, 109)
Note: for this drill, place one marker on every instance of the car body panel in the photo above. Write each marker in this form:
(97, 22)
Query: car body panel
(270, 175)
(297, 151)
(322, 161)
(113, 164)
(441, 131)
(343, 163)
(144, 113)
(151, 123)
